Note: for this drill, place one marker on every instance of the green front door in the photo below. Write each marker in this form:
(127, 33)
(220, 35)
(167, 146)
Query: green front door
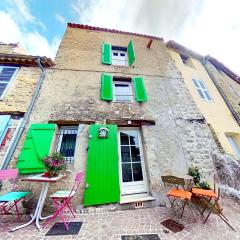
(102, 176)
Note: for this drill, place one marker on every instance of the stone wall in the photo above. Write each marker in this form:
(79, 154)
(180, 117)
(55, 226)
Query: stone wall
(20, 91)
(71, 91)
(230, 87)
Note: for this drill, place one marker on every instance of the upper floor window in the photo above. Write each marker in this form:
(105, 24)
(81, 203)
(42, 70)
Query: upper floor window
(119, 56)
(66, 142)
(202, 90)
(122, 90)
(116, 55)
(7, 73)
(186, 60)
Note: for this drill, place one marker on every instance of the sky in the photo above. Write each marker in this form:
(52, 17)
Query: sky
(205, 26)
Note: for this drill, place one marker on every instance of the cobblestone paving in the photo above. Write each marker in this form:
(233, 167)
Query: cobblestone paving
(111, 225)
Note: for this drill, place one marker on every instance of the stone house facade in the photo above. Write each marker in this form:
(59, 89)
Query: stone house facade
(117, 107)
(19, 74)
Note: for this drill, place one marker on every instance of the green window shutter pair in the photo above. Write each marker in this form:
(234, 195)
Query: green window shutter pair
(102, 175)
(36, 146)
(107, 88)
(107, 53)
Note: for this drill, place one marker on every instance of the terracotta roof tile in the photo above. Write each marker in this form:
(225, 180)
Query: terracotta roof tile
(87, 27)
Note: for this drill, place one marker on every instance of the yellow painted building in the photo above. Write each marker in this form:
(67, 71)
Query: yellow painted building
(207, 97)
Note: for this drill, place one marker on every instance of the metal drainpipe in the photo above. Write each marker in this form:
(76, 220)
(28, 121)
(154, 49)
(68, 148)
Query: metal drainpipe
(234, 113)
(25, 119)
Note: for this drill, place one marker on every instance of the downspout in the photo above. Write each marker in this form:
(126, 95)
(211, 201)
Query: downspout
(234, 113)
(21, 128)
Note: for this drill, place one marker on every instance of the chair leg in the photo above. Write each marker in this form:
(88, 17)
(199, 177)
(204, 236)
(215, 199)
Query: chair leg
(70, 209)
(183, 207)
(18, 215)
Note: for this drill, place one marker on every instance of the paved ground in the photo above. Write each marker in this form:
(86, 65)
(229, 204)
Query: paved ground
(111, 225)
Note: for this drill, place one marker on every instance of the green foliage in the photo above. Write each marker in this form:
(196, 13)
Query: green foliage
(203, 185)
(194, 172)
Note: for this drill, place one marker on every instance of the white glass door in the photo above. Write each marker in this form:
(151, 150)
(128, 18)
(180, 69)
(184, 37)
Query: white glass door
(132, 170)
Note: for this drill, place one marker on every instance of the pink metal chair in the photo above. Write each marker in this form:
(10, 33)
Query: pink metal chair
(62, 201)
(10, 199)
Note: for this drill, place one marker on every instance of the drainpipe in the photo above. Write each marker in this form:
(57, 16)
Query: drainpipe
(234, 113)
(23, 122)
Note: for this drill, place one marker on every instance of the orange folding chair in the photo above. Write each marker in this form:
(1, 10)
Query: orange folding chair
(210, 201)
(178, 196)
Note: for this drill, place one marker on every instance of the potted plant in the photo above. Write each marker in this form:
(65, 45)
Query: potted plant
(54, 165)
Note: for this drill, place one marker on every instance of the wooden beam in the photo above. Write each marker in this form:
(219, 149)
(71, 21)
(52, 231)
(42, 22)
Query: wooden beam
(130, 122)
(62, 122)
(149, 43)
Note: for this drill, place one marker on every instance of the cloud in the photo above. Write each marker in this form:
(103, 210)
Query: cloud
(156, 17)
(208, 27)
(20, 12)
(60, 18)
(35, 43)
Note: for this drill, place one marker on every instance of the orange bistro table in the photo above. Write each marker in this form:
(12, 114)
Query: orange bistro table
(39, 178)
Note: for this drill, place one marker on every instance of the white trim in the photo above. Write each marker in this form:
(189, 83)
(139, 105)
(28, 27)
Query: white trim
(202, 88)
(234, 145)
(10, 81)
(132, 185)
(129, 83)
(120, 60)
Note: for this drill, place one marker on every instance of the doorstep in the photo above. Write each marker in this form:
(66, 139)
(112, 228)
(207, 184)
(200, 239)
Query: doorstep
(143, 197)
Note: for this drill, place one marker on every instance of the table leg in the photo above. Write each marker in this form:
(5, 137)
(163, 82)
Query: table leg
(42, 200)
(38, 210)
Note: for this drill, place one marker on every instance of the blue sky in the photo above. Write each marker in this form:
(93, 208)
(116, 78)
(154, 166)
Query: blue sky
(205, 26)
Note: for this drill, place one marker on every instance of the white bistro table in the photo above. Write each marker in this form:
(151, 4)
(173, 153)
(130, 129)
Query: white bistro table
(39, 178)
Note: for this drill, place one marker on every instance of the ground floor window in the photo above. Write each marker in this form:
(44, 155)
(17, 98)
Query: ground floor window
(66, 142)
(234, 144)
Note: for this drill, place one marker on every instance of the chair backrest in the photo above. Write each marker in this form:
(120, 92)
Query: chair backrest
(173, 180)
(78, 180)
(8, 174)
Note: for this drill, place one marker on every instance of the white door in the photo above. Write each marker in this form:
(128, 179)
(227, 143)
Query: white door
(132, 170)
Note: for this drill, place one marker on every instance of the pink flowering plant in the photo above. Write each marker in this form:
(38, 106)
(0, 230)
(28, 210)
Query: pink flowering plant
(54, 164)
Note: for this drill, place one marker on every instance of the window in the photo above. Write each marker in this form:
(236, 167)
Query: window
(234, 145)
(116, 55)
(66, 141)
(119, 56)
(122, 91)
(6, 75)
(202, 90)
(186, 60)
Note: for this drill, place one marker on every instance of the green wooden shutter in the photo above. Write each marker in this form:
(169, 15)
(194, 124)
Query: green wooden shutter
(102, 177)
(36, 146)
(139, 88)
(106, 54)
(106, 87)
(131, 53)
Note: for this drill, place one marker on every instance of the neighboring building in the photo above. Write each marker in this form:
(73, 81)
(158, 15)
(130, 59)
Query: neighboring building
(228, 81)
(19, 74)
(118, 109)
(200, 77)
